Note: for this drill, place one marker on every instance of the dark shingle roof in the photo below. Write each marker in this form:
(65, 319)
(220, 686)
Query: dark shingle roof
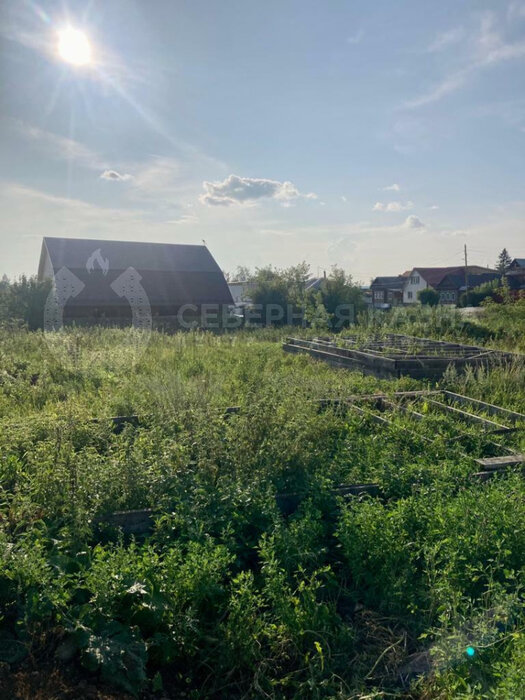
(456, 280)
(434, 275)
(396, 282)
(171, 274)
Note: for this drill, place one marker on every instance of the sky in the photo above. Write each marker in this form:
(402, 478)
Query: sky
(376, 136)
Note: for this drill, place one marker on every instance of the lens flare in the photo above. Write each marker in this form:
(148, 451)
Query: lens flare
(74, 47)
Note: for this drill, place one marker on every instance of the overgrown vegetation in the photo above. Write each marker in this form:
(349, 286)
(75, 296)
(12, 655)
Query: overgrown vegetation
(228, 597)
(291, 297)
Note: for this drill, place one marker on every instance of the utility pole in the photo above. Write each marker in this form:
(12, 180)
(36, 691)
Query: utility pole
(466, 274)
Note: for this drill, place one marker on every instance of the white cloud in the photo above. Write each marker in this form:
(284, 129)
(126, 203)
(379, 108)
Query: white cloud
(414, 222)
(247, 190)
(344, 199)
(433, 207)
(392, 188)
(393, 206)
(114, 176)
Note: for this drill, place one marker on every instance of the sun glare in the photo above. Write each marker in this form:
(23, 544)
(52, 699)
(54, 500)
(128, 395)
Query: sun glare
(74, 47)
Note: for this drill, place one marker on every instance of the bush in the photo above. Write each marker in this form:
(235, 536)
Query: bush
(428, 297)
(22, 302)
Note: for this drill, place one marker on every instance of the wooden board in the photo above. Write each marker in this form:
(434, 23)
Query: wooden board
(471, 417)
(489, 408)
(495, 463)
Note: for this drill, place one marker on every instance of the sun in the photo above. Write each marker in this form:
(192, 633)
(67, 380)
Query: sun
(74, 47)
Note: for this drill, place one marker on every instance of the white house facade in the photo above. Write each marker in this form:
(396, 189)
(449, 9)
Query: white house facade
(414, 284)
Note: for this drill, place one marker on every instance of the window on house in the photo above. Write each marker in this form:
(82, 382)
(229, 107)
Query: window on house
(378, 296)
(409, 295)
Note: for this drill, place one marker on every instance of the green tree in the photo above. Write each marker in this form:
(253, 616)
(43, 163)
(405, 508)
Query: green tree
(23, 301)
(428, 297)
(504, 261)
(316, 314)
(342, 299)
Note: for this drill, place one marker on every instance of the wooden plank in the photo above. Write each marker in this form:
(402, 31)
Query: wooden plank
(404, 409)
(289, 502)
(131, 522)
(501, 462)
(486, 475)
(356, 489)
(468, 416)
(489, 408)
(368, 414)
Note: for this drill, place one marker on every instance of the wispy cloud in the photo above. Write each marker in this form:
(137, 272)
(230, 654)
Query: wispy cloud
(485, 47)
(184, 219)
(60, 147)
(445, 39)
(392, 188)
(393, 206)
(248, 190)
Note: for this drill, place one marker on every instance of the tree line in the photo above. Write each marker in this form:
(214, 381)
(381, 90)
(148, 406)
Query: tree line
(332, 301)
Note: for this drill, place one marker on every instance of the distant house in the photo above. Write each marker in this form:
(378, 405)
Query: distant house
(313, 284)
(387, 291)
(452, 286)
(106, 277)
(515, 276)
(420, 278)
(240, 291)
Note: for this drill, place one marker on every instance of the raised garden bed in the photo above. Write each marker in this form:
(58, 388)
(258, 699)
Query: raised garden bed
(392, 356)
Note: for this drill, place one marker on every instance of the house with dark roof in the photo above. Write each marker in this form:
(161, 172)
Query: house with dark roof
(420, 278)
(453, 285)
(103, 279)
(387, 291)
(515, 277)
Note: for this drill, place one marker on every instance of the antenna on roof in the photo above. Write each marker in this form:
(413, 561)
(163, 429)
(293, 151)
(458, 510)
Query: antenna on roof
(204, 241)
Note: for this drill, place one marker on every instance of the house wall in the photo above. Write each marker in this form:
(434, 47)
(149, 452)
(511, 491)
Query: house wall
(414, 284)
(448, 296)
(239, 291)
(378, 296)
(47, 270)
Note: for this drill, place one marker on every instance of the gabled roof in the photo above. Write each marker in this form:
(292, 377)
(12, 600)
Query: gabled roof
(171, 273)
(396, 282)
(434, 275)
(314, 283)
(456, 280)
(518, 262)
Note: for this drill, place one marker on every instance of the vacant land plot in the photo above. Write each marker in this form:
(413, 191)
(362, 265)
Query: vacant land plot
(252, 572)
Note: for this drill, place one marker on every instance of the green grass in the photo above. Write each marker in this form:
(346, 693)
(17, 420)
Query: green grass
(226, 597)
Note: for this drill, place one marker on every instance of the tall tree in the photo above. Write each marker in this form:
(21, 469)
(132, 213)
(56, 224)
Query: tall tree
(504, 261)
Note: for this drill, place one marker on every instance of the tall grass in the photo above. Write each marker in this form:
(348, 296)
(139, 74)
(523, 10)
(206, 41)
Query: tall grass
(227, 597)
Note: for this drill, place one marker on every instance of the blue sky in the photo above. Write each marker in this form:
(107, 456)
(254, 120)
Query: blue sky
(373, 135)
